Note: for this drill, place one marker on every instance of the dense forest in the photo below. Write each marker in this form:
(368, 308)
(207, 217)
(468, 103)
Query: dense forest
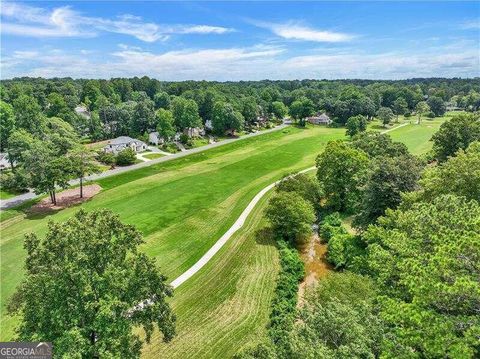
(130, 106)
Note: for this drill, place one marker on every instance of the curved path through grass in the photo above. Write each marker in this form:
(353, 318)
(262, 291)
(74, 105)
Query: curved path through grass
(228, 234)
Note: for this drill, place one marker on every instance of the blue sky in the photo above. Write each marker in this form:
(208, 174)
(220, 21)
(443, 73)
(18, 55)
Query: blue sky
(240, 40)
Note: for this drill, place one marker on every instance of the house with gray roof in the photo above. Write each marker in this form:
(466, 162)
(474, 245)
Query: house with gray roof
(120, 143)
(319, 119)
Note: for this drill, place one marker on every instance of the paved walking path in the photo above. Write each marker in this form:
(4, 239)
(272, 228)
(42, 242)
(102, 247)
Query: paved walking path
(228, 234)
(15, 201)
(394, 128)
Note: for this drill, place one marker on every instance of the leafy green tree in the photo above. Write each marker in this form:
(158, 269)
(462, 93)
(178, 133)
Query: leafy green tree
(339, 169)
(126, 157)
(185, 113)
(162, 100)
(279, 110)
(400, 107)
(376, 144)
(46, 170)
(304, 185)
(355, 125)
(206, 103)
(291, 217)
(249, 109)
(7, 124)
(423, 262)
(338, 320)
(61, 134)
(28, 114)
(301, 109)
(56, 105)
(330, 226)
(91, 94)
(455, 134)
(116, 119)
(87, 303)
(385, 114)
(165, 124)
(437, 105)
(143, 118)
(459, 175)
(387, 178)
(83, 164)
(226, 119)
(421, 109)
(19, 143)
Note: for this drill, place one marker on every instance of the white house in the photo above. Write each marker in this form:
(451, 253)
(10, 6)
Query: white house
(193, 132)
(320, 119)
(155, 139)
(120, 143)
(4, 163)
(82, 111)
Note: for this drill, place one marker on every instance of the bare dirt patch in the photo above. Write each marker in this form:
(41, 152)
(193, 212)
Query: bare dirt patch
(316, 265)
(67, 198)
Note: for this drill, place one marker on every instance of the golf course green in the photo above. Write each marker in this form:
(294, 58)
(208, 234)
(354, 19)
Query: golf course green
(182, 207)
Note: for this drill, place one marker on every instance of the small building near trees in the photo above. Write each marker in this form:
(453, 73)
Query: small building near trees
(319, 119)
(155, 139)
(120, 143)
(193, 132)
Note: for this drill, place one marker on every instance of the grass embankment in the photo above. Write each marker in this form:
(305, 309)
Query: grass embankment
(182, 206)
(226, 305)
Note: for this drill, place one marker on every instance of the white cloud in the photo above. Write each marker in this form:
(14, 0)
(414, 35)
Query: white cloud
(204, 29)
(296, 31)
(25, 20)
(471, 25)
(253, 63)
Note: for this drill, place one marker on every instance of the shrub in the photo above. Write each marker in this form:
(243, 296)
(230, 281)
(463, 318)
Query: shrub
(184, 138)
(14, 181)
(126, 157)
(346, 251)
(331, 225)
(284, 302)
(107, 158)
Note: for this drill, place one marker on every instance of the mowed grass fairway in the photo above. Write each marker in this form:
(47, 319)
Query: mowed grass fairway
(226, 305)
(183, 206)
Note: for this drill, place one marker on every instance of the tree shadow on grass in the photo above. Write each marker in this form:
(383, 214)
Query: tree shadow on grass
(265, 237)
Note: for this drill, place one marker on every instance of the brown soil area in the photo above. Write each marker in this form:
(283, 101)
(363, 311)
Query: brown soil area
(316, 266)
(67, 198)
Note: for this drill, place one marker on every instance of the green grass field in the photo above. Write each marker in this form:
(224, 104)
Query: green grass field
(152, 156)
(183, 207)
(226, 305)
(6, 194)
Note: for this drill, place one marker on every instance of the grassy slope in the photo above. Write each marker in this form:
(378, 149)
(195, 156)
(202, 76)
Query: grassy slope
(183, 206)
(225, 306)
